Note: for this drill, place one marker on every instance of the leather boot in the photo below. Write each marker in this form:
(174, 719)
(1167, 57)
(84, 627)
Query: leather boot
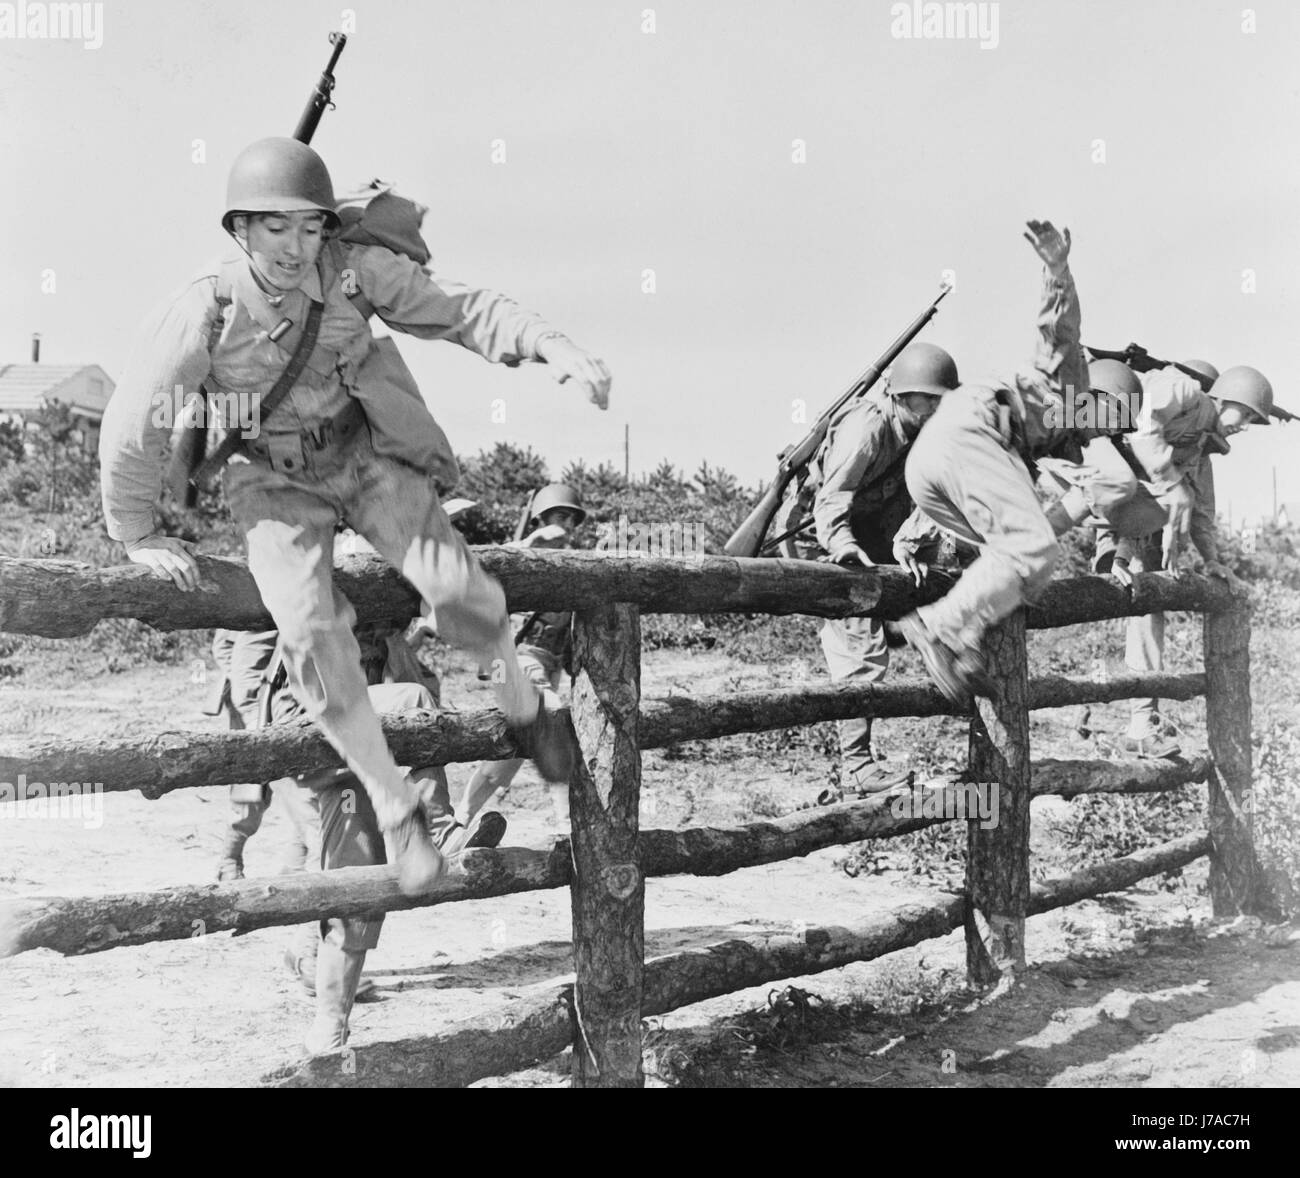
(338, 971)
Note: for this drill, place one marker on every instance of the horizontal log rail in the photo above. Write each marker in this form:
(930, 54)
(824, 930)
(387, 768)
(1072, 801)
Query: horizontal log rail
(77, 925)
(59, 599)
(181, 760)
(539, 1027)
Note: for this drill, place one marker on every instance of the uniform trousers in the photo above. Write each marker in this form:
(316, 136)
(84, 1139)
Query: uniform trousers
(288, 519)
(856, 652)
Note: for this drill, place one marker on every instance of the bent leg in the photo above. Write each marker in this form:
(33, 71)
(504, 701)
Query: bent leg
(396, 508)
(289, 532)
(961, 474)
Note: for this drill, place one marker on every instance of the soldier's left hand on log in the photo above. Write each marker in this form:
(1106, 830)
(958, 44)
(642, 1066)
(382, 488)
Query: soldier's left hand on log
(167, 557)
(570, 361)
(918, 568)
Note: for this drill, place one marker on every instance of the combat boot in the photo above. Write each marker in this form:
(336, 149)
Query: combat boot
(959, 674)
(874, 778)
(419, 863)
(549, 742)
(488, 832)
(338, 971)
(1149, 742)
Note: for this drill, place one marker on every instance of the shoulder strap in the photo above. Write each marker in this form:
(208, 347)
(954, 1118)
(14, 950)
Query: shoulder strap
(288, 378)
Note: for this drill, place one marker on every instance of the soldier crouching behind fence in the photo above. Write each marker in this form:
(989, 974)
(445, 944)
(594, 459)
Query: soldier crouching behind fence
(285, 320)
(544, 643)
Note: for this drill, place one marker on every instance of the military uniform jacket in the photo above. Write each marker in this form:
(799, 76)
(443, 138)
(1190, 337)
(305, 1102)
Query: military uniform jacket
(216, 332)
(1177, 426)
(1177, 431)
(863, 498)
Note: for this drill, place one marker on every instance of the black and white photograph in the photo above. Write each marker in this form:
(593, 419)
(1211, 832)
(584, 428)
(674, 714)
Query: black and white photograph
(734, 544)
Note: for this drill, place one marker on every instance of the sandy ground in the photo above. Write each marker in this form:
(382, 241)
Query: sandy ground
(1129, 991)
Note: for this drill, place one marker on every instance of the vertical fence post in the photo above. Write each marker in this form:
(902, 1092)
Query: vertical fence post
(1234, 871)
(608, 890)
(997, 859)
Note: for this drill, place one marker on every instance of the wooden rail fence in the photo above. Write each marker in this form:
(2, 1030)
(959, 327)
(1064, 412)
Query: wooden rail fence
(608, 858)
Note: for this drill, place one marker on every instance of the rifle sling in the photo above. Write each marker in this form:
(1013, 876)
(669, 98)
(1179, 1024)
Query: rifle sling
(234, 440)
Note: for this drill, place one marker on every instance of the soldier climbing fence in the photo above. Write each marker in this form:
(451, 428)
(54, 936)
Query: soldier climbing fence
(608, 858)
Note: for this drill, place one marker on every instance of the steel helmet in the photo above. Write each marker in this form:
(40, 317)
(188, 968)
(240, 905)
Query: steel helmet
(923, 368)
(1246, 386)
(1202, 367)
(1120, 389)
(278, 176)
(558, 495)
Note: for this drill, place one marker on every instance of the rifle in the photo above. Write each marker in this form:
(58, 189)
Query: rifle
(521, 527)
(1140, 360)
(320, 98)
(191, 444)
(747, 540)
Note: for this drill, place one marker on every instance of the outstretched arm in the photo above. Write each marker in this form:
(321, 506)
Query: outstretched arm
(409, 299)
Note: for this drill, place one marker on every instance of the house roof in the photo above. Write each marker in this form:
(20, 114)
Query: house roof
(24, 388)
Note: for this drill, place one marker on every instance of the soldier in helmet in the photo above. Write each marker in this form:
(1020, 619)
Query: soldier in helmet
(859, 502)
(287, 313)
(969, 471)
(544, 644)
(1179, 427)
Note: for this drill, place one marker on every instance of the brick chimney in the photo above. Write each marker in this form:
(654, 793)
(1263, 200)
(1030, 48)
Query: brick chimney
(36, 347)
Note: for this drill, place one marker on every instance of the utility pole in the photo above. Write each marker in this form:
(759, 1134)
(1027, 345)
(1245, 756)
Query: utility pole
(1275, 494)
(627, 475)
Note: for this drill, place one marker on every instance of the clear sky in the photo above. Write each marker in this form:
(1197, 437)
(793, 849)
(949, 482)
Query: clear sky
(1163, 134)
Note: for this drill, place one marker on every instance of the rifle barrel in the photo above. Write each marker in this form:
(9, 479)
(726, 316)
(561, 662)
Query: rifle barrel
(321, 93)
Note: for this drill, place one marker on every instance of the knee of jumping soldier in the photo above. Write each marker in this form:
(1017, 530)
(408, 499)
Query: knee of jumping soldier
(1112, 490)
(323, 663)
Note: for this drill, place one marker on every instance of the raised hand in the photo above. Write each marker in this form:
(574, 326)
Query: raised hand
(1049, 244)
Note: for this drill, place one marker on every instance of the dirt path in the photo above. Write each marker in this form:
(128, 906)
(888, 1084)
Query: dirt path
(1145, 998)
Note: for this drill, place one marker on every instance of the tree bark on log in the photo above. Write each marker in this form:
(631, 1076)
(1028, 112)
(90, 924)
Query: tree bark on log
(539, 1027)
(608, 888)
(997, 855)
(61, 598)
(76, 925)
(180, 760)
(1234, 871)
